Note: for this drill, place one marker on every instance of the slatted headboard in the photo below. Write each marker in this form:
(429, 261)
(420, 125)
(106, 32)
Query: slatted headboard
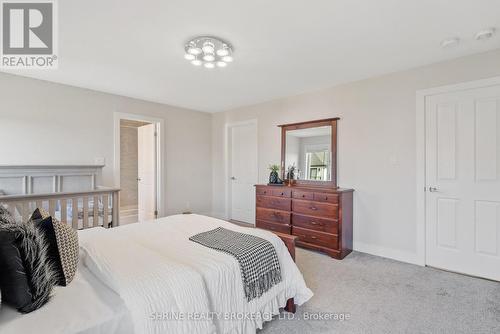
(45, 179)
(69, 192)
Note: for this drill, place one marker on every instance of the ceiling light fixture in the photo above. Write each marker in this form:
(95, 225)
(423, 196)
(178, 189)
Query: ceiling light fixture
(485, 34)
(208, 51)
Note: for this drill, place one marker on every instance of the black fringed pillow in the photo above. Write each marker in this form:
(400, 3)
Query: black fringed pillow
(63, 245)
(13, 278)
(26, 274)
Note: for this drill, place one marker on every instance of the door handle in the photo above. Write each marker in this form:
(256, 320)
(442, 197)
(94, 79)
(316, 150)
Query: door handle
(139, 179)
(433, 189)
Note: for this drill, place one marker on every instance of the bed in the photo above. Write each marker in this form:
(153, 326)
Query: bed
(71, 193)
(86, 306)
(82, 210)
(166, 284)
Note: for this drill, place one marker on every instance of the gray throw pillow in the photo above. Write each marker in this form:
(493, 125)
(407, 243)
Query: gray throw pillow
(63, 244)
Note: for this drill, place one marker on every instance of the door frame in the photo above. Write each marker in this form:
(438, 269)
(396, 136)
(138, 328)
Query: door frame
(421, 96)
(227, 160)
(160, 176)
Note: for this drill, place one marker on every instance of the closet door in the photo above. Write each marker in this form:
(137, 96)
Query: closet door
(463, 181)
(243, 171)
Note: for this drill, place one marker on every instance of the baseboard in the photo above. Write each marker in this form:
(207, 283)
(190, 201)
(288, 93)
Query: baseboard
(390, 253)
(218, 215)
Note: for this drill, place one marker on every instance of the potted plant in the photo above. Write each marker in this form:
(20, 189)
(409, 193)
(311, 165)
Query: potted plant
(273, 176)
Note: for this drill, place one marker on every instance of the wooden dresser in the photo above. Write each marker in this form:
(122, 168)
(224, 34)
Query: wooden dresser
(321, 218)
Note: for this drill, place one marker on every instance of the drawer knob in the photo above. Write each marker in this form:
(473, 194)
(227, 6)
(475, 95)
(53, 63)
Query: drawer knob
(313, 208)
(282, 194)
(313, 237)
(314, 223)
(303, 195)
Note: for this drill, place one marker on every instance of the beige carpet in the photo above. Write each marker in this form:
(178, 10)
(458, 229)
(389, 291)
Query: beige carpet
(386, 296)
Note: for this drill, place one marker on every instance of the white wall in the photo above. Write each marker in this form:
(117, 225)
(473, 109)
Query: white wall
(47, 123)
(377, 145)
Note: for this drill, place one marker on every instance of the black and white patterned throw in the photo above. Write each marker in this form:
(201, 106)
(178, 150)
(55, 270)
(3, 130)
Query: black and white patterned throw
(259, 264)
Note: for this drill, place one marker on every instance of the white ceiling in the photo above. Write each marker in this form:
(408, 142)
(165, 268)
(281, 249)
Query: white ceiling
(282, 47)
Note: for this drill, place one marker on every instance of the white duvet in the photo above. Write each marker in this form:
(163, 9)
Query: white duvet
(173, 285)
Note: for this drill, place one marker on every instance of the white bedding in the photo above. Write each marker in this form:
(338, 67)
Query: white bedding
(153, 272)
(86, 306)
(147, 281)
(165, 242)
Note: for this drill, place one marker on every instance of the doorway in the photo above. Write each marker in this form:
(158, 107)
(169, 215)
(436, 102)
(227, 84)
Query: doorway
(242, 171)
(462, 180)
(137, 167)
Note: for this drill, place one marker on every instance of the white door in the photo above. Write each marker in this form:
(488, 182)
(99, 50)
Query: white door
(147, 172)
(463, 181)
(243, 171)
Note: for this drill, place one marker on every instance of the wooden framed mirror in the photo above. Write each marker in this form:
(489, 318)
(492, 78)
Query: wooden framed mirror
(312, 148)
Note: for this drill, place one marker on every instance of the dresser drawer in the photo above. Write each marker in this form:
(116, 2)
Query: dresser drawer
(276, 203)
(275, 216)
(266, 191)
(325, 197)
(320, 209)
(303, 195)
(316, 238)
(274, 227)
(318, 224)
(281, 192)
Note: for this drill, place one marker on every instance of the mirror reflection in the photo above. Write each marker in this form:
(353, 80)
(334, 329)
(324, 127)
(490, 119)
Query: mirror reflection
(308, 154)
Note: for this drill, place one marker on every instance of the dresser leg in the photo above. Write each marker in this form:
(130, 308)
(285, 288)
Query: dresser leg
(290, 306)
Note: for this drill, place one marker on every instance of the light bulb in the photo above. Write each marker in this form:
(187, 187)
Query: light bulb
(194, 50)
(208, 47)
(227, 59)
(223, 52)
(196, 62)
(208, 57)
(189, 56)
(209, 65)
(221, 64)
